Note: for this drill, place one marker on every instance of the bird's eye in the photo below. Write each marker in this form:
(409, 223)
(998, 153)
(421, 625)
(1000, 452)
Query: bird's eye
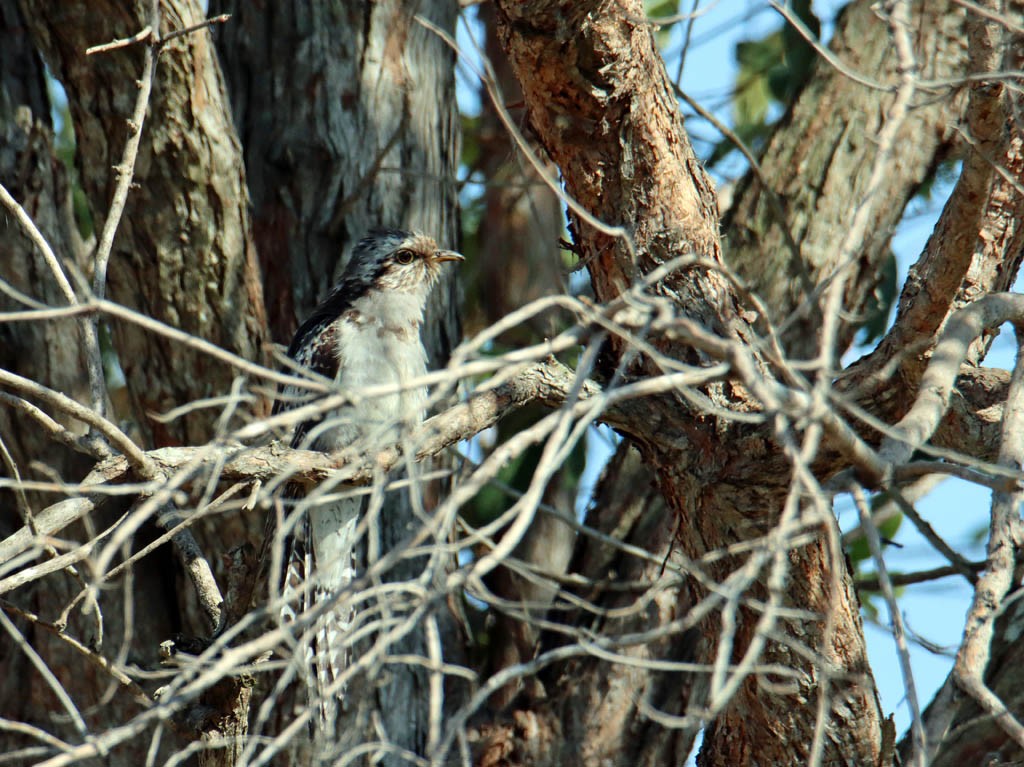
(404, 257)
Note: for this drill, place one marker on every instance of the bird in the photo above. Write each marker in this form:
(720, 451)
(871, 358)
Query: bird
(365, 333)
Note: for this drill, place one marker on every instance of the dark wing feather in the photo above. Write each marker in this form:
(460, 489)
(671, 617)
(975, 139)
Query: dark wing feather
(319, 355)
(314, 348)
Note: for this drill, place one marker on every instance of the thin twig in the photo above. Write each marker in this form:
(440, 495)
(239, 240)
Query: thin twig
(93, 353)
(798, 24)
(136, 457)
(488, 78)
(125, 170)
(956, 560)
(146, 33)
(873, 583)
(46, 673)
(896, 618)
(1006, 538)
(95, 658)
(193, 28)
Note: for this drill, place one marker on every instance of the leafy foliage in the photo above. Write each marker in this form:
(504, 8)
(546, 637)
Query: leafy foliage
(771, 71)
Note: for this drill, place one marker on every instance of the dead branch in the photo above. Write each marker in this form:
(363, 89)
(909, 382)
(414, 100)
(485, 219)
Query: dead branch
(937, 384)
(1006, 536)
(546, 382)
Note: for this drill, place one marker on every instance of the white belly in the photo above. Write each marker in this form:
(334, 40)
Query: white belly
(382, 358)
(377, 352)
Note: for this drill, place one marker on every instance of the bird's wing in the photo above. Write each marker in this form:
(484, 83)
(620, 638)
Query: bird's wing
(314, 349)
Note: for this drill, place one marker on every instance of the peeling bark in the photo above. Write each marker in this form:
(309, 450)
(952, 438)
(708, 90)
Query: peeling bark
(819, 161)
(183, 253)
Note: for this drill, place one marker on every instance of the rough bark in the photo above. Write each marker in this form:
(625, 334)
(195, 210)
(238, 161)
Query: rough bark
(183, 253)
(820, 159)
(976, 249)
(50, 353)
(598, 98)
(959, 731)
(978, 243)
(347, 115)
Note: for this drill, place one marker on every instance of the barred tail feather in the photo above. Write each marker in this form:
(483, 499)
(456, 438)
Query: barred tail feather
(333, 534)
(321, 563)
(296, 599)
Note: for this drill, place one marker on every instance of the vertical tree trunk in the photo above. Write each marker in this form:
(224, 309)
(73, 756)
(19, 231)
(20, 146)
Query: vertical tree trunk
(348, 117)
(183, 253)
(819, 160)
(599, 100)
(52, 354)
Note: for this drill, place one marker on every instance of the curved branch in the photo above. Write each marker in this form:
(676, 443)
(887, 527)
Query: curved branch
(1006, 538)
(937, 384)
(977, 245)
(820, 141)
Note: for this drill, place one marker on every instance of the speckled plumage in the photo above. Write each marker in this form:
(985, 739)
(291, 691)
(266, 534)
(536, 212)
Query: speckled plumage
(366, 333)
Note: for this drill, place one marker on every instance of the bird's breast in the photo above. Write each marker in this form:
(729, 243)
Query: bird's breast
(372, 354)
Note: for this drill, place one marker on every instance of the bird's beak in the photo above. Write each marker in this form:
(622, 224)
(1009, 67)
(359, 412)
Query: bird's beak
(448, 255)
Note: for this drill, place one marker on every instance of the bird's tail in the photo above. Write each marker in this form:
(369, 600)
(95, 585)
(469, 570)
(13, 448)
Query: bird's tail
(324, 550)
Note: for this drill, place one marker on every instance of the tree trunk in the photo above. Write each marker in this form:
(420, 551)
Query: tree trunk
(707, 588)
(50, 353)
(599, 100)
(819, 159)
(362, 134)
(347, 115)
(183, 253)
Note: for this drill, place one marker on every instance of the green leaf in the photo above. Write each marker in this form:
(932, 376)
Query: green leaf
(661, 9)
(770, 72)
(859, 551)
(470, 140)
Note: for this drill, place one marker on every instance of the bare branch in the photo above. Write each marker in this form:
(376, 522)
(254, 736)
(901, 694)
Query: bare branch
(136, 457)
(1006, 537)
(937, 384)
(545, 382)
(93, 657)
(873, 582)
(868, 525)
(125, 170)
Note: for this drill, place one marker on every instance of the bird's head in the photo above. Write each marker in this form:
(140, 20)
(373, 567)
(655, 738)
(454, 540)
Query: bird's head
(397, 260)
